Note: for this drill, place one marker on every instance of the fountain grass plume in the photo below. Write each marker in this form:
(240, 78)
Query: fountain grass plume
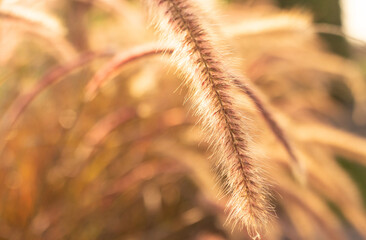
(211, 84)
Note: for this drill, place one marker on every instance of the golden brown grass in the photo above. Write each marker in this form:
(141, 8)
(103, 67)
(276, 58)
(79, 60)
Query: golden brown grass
(97, 145)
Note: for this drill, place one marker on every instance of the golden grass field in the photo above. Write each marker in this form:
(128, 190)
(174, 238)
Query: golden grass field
(178, 119)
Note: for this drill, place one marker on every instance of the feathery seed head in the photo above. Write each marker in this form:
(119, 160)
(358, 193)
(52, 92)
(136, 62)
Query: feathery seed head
(210, 81)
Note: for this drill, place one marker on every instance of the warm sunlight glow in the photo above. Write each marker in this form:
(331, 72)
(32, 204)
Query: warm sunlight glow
(354, 18)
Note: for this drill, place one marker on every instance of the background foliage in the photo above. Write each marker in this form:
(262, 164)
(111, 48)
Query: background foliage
(130, 162)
